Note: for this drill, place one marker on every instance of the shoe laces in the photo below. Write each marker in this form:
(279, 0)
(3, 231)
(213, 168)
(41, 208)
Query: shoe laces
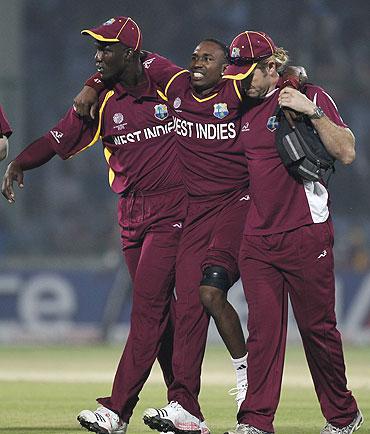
(175, 405)
(104, 412)
(353, 426)
(329, 428)
(108, 415)
(248, 429)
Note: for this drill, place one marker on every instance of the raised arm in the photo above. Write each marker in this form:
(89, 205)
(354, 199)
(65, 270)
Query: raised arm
(86, 101)
(337, 138)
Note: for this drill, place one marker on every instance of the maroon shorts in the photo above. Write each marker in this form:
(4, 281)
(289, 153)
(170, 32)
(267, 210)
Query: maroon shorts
(213, 233)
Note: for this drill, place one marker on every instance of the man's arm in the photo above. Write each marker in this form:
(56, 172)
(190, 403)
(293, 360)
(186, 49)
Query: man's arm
(5, 133)
(338, 140)
(86, 101)
(34, 155)
(159, 68)
(70, 136)
(4, 147)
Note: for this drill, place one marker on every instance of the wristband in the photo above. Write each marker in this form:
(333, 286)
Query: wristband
(96, 82)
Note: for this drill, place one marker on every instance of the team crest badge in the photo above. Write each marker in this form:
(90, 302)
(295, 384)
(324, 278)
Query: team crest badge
(160, 111)
(272, 123)
(220, 110)
(235, 52)
(177, 102)
(118, 118)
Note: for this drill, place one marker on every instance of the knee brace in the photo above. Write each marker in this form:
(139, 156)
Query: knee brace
(216, 276)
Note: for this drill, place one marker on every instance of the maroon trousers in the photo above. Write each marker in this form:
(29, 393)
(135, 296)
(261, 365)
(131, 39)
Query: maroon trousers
(151, 226)
(300, 264)
(212, 235)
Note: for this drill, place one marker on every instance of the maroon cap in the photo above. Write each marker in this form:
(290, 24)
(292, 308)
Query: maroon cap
(246, 50)
(118, 29)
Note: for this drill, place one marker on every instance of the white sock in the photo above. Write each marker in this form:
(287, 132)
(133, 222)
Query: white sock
(240, 366)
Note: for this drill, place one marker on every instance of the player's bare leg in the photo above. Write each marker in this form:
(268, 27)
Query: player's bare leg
(226, 319)
(228, 325)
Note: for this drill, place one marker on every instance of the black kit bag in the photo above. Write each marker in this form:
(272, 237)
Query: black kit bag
(301, 149)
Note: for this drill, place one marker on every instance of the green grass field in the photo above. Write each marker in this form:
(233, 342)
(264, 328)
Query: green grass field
(43, 388)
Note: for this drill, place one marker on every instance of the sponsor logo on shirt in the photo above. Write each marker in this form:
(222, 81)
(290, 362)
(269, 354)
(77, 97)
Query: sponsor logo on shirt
(177, 225)
(246, 197)
(272, 123)
(177, 103)
(160, 111)
(148, 62)
(220, 110)
(322, 254)
(57, 135)
(245, 127)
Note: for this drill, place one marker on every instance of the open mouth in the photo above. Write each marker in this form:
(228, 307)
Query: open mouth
(197, 75)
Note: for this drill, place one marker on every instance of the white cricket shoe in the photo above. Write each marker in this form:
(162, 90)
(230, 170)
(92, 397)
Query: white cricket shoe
(203, 427)
(240, 393)
(102, 421)
(349, 429)
(172, 418)
(241, 428)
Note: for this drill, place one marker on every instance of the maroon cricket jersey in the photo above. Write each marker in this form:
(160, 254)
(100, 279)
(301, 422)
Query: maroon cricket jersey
(5, 129)
(279, 202)
(138, 137)
(207, 128)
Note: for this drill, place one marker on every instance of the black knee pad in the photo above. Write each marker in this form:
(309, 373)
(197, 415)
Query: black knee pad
(216, 276)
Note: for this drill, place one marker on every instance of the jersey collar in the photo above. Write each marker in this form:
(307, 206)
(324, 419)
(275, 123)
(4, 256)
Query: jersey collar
(145, 90)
